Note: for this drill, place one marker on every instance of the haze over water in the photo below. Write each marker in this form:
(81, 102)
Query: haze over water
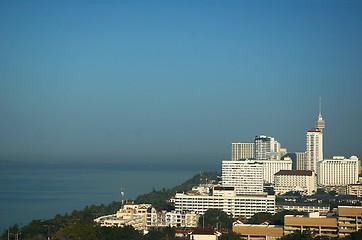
(40, 191)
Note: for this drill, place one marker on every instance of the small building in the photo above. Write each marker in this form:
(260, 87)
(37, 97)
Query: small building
(204, 234)
(258, 231)
(355, 190)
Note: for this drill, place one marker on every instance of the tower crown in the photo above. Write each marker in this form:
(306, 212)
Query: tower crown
(320, 123)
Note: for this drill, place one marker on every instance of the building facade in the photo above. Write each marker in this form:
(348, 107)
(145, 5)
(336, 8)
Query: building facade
(338, 171)
(242, 151)
(225, 199)
(301, 161)
(314, 149)
(266, 148)
(271, 167)
(303, 181)
(245, 175)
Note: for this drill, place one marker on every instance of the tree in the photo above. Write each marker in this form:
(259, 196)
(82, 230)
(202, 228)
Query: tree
(217, 219)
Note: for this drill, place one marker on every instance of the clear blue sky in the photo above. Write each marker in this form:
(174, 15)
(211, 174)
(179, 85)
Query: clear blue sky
(165, 81)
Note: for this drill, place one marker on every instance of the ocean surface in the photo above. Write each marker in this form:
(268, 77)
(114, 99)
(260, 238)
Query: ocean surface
(42, 190)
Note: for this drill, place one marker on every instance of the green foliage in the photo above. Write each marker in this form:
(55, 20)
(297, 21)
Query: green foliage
(217, 219)
(80, 225)
(159, 199)
(276, 219)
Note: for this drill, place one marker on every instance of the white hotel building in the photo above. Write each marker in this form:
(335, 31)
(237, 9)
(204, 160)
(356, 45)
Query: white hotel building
(303, 181)
(225, 199)
(338, 171)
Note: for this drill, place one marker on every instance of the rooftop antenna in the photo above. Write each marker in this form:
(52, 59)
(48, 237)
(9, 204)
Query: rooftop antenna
(320, 105)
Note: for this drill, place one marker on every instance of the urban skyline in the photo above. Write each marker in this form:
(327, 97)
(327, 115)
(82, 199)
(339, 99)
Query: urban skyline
(176, 81)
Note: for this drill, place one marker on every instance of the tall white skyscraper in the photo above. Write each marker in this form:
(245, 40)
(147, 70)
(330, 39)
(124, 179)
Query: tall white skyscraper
(246, 176)
(266, 148)
(314, 149)
(314, 143)
(242, 151)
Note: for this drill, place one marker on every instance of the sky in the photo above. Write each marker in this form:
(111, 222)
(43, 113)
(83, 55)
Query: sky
(176, 81)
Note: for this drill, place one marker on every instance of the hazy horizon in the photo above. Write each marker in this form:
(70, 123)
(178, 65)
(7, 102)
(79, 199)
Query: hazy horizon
(176, 81)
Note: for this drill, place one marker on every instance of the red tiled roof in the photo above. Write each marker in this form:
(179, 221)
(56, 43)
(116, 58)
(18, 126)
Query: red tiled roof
(314, 130)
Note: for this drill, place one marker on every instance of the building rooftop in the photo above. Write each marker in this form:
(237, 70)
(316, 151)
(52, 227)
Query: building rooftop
(295, 172)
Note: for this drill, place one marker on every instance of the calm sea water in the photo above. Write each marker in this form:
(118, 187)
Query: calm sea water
(40, 191)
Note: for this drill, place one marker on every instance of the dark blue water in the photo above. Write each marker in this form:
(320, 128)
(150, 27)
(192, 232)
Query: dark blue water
(41, 190)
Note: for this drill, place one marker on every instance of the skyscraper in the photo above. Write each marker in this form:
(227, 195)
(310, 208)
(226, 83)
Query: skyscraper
(266, 148)
(314, 149)
(242, 151)
(314, 143)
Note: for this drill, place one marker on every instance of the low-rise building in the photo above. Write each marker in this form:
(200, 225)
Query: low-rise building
(349, 219)
(258, 231)
(225, 199)
(144, 216)
(316, 224)
(302, 207)
(354, 189)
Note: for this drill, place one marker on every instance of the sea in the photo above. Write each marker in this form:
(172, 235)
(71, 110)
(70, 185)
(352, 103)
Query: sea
(40, 190)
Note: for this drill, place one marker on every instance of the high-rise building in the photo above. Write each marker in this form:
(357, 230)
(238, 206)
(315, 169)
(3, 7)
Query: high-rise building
(314, 149)
(338, 171)
(271, 167)
(301, 163)
(246, 176)
(242, 151)
(266, 148)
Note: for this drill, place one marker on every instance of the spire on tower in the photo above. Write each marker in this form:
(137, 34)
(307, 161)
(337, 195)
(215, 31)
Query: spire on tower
(320, 123)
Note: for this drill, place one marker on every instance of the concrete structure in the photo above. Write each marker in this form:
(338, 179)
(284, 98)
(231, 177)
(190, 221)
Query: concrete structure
(355, 190)
(225, 199)
(302, 207)
(266, 148)
(271, 167)
(349, 219)
(242, 151)
(319, 226)
(258, 232)
(245, 175)
(301, 163)
(303, 181)
(338, 171)
(314, 149)
(144, 216)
